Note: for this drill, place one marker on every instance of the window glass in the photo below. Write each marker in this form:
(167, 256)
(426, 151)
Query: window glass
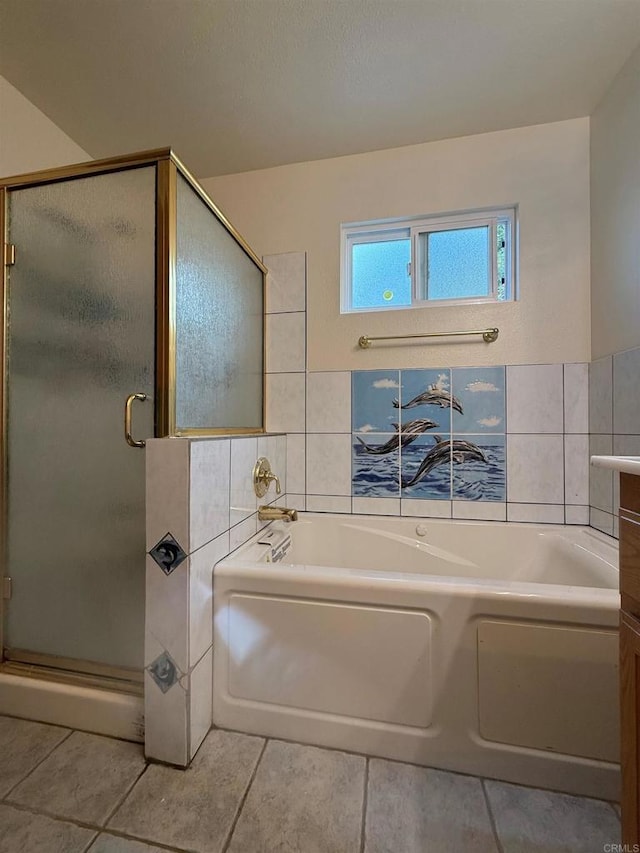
(429, 260)
(458, 263)
(380, 274)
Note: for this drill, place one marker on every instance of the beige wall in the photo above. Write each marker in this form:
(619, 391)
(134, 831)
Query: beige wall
(544, 169)
(29, 141)
(615, 214)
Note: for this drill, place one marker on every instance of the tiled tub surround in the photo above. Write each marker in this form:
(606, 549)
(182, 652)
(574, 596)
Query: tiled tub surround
(200, 506)
(519, 453)
(488, 649)
(614, 427)
(530, 424)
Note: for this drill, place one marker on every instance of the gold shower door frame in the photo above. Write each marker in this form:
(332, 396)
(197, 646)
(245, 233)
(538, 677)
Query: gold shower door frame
(168, 166)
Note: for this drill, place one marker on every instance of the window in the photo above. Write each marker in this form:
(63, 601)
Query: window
(439, 260)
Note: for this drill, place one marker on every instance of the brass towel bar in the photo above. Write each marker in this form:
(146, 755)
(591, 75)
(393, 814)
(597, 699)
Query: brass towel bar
(488, 336)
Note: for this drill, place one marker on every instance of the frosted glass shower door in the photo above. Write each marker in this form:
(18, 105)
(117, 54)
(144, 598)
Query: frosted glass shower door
(219, 324)
(81, 338)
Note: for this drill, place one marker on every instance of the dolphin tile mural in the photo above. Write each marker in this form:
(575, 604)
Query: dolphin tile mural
(480, 391)
(435, 434)
(375, 469)
(372, 395)
(478, 471)
(426, 468)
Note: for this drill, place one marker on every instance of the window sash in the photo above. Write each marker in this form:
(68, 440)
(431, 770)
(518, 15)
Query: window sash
(413, 229)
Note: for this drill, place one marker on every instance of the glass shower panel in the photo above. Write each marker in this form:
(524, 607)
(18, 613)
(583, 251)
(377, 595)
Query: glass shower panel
(219, 323)
(81, 338)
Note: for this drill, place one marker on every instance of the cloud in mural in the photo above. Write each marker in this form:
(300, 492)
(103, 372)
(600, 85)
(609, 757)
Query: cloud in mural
(478, 385)
(385, 383)
(442, 384)
(490, 422)
(366, 428)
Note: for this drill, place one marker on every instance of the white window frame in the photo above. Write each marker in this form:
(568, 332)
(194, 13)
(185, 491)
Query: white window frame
(370, 232)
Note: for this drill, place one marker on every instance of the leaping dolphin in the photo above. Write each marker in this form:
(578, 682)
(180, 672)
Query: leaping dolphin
(457, 451)
(405, 435)
(433, 396)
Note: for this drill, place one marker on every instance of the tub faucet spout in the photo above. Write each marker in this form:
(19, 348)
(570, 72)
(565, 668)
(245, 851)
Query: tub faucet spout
(277, 513)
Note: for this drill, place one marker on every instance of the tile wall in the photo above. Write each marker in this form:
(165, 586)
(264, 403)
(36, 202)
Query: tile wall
(200, 506)
(614, 427)
(520, 433)
(525, 458)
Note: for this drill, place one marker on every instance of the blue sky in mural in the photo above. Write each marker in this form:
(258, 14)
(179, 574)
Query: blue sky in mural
(435, 484)
(418, 382)
(474, 479)
(374, 474)
(480, 391)
(373, 392)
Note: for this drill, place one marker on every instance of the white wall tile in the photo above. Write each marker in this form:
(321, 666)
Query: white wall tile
(376, 506)
(296, 463)
(328, 503)
(244, 454)
(286, 282)
(601, 479)
(239, 534)
(328, 464)
(285, 394)
(480, 510)
(576, 515)
(329, 402)
(538, 513)
(626, 399)
(298, 502)
(167, 490)
(576, 469)
(201, 701)
(601, 520)
(167, 612)
(165, 722)
(535, 398)
(601, 395)
(426, 508)
(201, 566)
(209, 493)
(535, 469)
(286, 343)
(576, 398)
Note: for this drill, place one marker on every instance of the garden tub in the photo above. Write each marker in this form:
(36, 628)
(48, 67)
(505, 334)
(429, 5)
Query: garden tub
(478, 647)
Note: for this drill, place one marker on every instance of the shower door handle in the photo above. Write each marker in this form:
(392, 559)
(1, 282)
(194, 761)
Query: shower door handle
(127, 420)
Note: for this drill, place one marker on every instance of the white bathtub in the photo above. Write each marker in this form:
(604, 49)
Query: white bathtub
(477, 647)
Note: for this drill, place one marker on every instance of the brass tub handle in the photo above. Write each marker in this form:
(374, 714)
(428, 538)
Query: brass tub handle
(127, 420)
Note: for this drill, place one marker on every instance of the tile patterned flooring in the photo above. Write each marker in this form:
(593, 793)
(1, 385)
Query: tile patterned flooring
(64, 791)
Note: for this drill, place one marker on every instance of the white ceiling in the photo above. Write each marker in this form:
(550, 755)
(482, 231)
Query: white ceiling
(234, 85)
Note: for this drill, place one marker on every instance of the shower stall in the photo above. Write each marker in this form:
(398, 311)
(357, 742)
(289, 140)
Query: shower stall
(131, 309)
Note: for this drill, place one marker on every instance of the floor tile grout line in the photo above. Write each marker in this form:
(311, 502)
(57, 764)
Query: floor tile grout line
(35, 767)
(91, 843)
(243, 799)
(92, 826)
(365, 803)
(120, 802)
(492, 820)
